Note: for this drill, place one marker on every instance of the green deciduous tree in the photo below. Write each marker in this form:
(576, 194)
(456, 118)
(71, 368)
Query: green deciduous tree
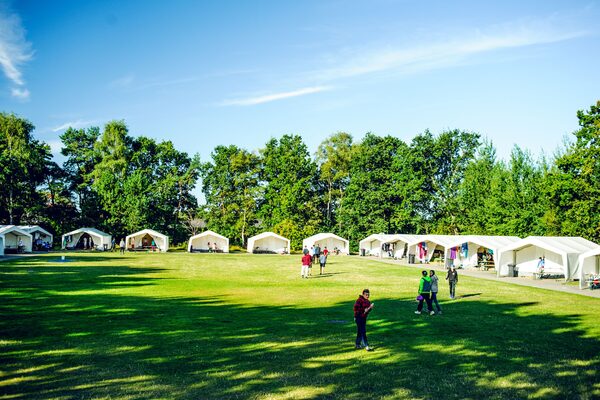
(574, 182)
(290, 204)
(24, 163)
(333, 158)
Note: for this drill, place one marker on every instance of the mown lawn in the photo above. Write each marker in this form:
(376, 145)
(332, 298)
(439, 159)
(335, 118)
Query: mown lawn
(192, 326)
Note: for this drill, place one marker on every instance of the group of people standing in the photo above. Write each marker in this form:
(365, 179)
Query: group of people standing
(428, 289)
(312, 256)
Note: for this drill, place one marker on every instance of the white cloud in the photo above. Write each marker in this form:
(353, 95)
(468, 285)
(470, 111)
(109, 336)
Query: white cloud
(22, 94)
(249, 101)
(445, 53)
(73, 124)
(14, 50)
(123, 82)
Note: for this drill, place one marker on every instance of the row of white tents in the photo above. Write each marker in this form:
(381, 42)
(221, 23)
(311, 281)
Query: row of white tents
(266, 242)
(571, 257)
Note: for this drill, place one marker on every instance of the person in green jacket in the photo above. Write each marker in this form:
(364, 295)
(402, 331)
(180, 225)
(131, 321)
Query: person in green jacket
(425, 293)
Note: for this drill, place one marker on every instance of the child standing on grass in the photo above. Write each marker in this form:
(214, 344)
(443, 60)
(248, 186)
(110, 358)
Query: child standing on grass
(306, 263)
(362, 308)
(425, 293)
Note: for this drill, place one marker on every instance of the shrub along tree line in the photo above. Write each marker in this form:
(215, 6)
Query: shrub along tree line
(450, 183)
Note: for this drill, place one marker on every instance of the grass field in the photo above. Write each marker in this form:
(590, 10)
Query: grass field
(193, 326)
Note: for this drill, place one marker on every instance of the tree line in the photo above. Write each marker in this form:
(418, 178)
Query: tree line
(449, 183)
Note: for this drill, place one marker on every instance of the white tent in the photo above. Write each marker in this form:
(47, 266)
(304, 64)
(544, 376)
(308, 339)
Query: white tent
(424, 246)
(398, 245)
(588, 264)
(371, 245)
(268, 242)
(561, 255)
(15, 237)
(143, 240)
(90, 236)
(1, 245)
(328, 240)
(38, 233)
(204, 242)
(464, 251)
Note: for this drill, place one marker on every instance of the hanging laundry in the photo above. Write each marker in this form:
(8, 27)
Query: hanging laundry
(453, 253)
(465, 250)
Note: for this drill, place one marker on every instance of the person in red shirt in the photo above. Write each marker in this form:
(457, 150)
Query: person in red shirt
(306, 263)
(325, 251)
(362, 308)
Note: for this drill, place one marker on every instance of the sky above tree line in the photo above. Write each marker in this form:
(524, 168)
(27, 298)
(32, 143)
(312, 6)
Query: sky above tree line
(203, 74)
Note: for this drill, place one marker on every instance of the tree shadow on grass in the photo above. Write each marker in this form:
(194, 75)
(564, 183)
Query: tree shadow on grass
(64, 337)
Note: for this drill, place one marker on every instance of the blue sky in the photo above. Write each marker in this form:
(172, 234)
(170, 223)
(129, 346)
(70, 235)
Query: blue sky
(240, 72)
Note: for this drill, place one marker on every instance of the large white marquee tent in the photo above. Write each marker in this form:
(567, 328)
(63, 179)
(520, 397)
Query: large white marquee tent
(143, 240)
(268, 242)
(588, 264)
(465, 249)
(561, 255)
(201, 241)
(13, 235)
(75, 239)
(371, 245)
(329, 240)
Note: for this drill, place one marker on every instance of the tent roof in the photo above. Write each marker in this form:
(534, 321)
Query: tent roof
(557, 244)
(33, 228)
(88, 230)
(207, 233)
(321, 236)
(590, 253)
(382, 237)
(151, 232)
(4, 229)
(442, 240)
(267, 234)
(490, 242)
(405, 238)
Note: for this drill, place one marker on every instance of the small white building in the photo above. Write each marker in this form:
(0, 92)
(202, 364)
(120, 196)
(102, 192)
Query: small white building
(328, 240)
(561, 255)
(82, 238)
(148, 239)
(39, 235)
(372, 244)
(269, 243)
(16, 239)
(588, 265)
(208, 241)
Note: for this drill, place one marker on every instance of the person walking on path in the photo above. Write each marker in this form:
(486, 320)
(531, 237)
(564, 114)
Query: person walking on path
(425, 293)
(305, 251)
(122, 246)
(452, 278)
(322, 261)
(306, 262)
(362, 308)
(434, 290)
